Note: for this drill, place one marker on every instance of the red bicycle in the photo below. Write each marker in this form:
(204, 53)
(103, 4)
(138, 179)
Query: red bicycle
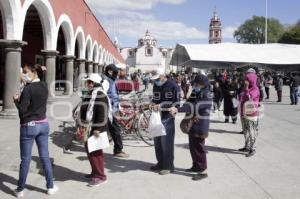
(134, 116)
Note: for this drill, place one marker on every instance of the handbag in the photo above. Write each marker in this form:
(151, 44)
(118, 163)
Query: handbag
(82, 133)
(249, 107)
(186, 125)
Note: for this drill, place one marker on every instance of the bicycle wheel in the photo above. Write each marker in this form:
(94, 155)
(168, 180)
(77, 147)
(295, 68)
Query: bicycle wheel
(142, 126)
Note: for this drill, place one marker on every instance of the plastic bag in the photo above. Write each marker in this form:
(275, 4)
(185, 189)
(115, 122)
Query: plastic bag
(156, 127)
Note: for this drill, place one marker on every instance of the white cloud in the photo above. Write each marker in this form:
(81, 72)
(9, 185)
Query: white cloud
(127, 20)
(130, 4)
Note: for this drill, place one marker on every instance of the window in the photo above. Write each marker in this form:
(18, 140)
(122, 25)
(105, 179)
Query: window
(130, 53)
(164, 54)
(149, 52)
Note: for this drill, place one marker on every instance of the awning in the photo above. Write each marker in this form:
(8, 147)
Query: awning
(235, 54)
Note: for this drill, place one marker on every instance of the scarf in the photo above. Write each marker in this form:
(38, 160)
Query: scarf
(90, 109)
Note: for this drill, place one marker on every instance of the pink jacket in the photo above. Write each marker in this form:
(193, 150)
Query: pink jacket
(252, 92)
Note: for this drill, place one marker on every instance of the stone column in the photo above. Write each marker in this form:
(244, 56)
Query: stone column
(90, 67)
(69, 60)
(13, 49)
(99, 69)
(81, 63)
(50, 63)
(96, 68)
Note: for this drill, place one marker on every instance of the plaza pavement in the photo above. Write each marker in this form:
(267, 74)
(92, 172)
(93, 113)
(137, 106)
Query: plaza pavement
(274, 172)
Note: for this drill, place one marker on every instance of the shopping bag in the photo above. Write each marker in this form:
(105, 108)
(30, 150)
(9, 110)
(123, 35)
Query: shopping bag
(156, 127)
(250, 107)
(98, 143)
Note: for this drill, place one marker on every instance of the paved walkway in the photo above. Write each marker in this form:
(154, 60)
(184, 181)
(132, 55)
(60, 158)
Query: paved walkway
(272, 173)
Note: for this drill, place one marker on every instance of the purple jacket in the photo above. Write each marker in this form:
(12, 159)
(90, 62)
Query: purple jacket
(251, 93)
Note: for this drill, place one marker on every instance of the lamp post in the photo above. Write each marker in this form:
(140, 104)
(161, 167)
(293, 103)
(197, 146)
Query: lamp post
(266, 29)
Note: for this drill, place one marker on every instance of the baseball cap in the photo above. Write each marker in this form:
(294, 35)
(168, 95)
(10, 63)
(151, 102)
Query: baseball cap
(94, 77)
(157, 73)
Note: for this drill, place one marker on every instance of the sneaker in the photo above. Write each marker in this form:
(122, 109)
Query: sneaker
(251, 153)
(242, 132)
(164, 172)
(244, 149)
(200, 176)
(192, 170)
(226, 121)
(97, 183)
(53, 190)
(19, 194)
(121, 155)
(233, 122)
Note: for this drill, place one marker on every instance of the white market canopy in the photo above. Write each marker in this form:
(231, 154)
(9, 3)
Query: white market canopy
(235, 54)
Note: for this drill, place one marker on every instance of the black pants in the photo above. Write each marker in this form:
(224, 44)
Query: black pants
(279, 95)
(267, 89)
(198, 153)
(116, 134)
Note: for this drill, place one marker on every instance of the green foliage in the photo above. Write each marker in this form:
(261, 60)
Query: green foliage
(253, 31)
(292, 35)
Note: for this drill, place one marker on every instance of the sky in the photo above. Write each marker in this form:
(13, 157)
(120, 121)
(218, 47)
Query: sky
(183, 21)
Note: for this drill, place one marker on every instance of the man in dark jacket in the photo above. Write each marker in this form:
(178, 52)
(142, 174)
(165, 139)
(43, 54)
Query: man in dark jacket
(165, 96)
(294, 89)
(111, 74)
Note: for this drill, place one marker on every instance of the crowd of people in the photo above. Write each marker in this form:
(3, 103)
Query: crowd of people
(196, 95)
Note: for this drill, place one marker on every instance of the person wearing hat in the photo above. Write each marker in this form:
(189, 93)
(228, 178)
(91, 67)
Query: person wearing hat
(111, 75)
(164, 97)
(198, 108)
(94, 114)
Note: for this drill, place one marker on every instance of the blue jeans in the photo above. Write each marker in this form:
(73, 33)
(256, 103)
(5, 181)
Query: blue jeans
(294, 95)
(39, 133)
(164, 145)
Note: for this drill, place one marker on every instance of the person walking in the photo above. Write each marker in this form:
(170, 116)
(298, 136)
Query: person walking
(198, 108)
(249, 104)
(294, 89)
(164, 97)
(278, 87)
(111, 75)
(94, 114)
(31, 105)
(230, 101)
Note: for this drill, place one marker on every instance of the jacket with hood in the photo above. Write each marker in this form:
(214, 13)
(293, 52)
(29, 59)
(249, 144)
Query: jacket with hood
(251, 93)
(199, 106)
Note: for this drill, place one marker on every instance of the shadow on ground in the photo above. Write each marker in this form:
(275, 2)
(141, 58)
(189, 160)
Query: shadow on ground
(214, 149)
(6, 179)
(223, 131)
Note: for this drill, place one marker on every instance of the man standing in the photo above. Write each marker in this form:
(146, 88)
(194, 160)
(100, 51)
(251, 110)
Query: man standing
(164, 97)
(278, 87)
(111, 73)
(294, 86)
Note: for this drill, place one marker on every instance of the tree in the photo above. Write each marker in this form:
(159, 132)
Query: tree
(253, 31)
(292, 35)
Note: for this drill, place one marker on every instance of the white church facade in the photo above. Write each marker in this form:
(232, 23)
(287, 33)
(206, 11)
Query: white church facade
(147, 56)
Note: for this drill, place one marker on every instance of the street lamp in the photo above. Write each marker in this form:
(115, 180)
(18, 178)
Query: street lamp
(266, 29)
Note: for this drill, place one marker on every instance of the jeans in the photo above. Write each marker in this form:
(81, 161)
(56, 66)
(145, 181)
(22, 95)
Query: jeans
(294, 95)
(164, 145)
(116, 134)
(39, 133)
